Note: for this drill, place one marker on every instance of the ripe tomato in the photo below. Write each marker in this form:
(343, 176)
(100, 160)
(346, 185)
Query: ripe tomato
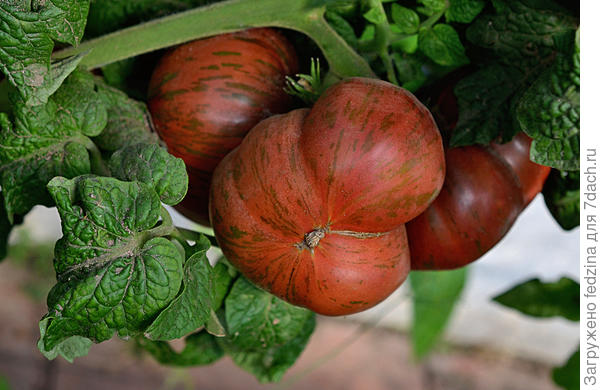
(205, 95)
(532, 176)
(478, 204)
(516, 152)
(311, 206)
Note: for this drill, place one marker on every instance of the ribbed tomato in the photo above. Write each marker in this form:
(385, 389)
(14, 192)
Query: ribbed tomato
(532, 176)
(312, 205)
(204, 96)
(478, 204)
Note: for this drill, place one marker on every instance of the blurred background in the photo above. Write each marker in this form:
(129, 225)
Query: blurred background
(484, 345)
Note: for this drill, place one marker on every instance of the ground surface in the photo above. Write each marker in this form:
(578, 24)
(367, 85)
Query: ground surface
(342, 354)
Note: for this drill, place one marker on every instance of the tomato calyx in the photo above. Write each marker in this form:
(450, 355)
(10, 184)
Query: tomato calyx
(311, 239)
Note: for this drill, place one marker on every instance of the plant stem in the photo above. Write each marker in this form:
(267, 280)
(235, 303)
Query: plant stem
(430, 21)
(305, 16)
(194, 236)
(165, 216)
(98, 164)
(382, 42)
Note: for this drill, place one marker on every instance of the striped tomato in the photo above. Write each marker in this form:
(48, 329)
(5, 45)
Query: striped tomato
(478, 204)
(485, 190)
(312, 205)
(205, 95)
(532, 176)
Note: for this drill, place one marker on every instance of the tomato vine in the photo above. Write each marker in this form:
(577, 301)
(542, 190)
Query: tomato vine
(305, 16)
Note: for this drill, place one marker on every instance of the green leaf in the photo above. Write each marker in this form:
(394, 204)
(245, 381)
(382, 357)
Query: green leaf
(484, 99)
(128, 120)
(376, 15)
(405, 19)
(539, 299)
(434, 297)
(561, 194)
(431, 7)
(442, 44)
(269, 364)
(214, 325)
(109, 15)
(115, 271)
(368, 34)
(343, 28)
(200, 349)
(257, 320)
(549, 112)
(28, 31)
(521, 31)
(117, 73)
(501, 6)
(201, 295)
(409, 71)
(408, 45)
(40, 142)
(59, 71)
(567, 376)
(5, 228)
(153, 165)
(464, 11)
(69, 348)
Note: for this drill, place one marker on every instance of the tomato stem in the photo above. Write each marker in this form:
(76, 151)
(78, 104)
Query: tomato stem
(193, 235)
(305, 16)
(382, 41)
(98, 165)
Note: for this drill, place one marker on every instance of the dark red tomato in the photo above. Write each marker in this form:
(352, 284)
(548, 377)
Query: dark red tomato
(516, 152)
(532, 176)
(204, 96)
(479, 202)
(312, 205)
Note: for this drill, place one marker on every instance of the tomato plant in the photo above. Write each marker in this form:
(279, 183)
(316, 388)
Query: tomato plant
(205, 95)
(311, 206)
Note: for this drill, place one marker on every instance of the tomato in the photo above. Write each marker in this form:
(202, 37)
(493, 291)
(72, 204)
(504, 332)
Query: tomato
(204, 96)
(516, 152)
(478, 204)
(485, 190)
(532, 176)
(312, 205)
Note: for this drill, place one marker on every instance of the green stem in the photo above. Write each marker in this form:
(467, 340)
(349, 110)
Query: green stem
(165, 216)
(98, 164)
(395, 37)
(306, 16)
(161, 231)
(382, 42)
(389, 66)
(195, 236)
(430, 21)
